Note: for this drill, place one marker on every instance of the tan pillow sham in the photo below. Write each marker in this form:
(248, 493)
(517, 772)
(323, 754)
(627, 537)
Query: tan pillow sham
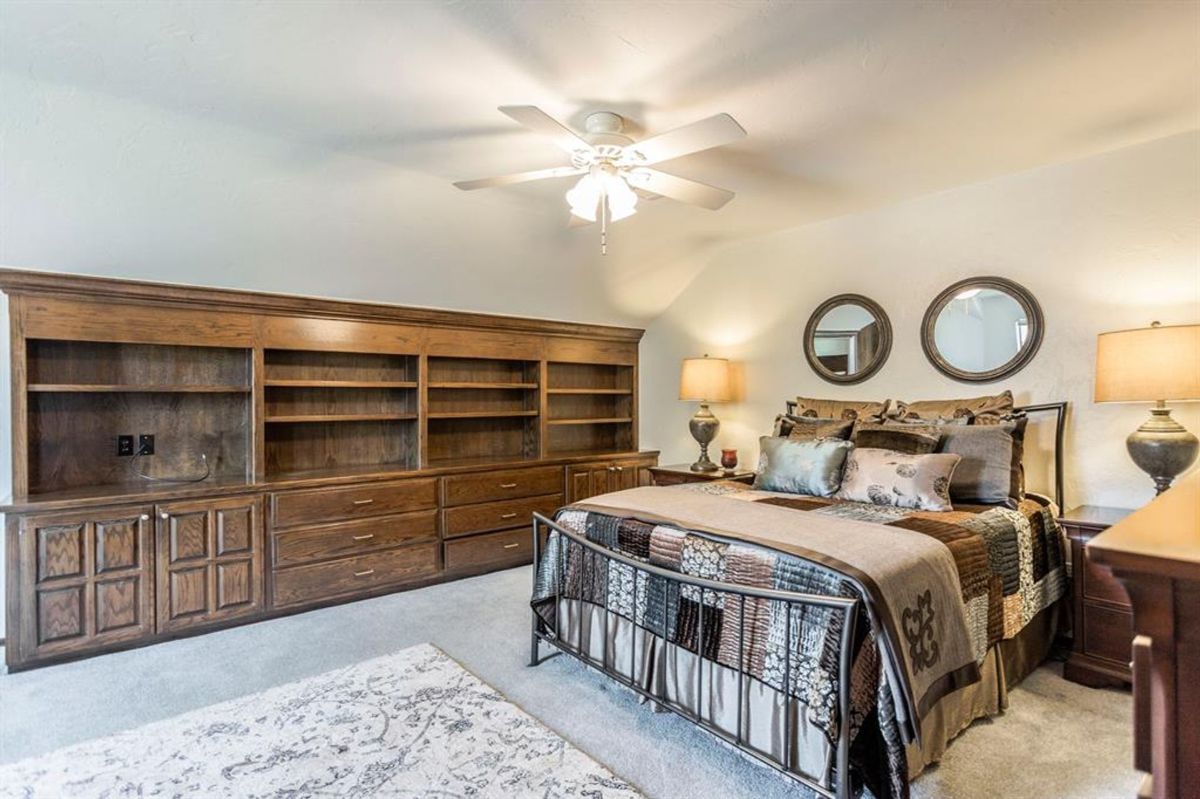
(979, 410)
(841, 409)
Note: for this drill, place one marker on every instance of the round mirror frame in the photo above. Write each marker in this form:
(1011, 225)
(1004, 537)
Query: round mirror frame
(885, 338)
(1033, 312)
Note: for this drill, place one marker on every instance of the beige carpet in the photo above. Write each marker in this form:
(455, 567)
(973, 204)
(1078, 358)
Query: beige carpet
(1058, 741)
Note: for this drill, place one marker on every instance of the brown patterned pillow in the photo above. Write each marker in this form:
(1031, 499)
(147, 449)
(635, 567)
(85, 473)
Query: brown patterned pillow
(883, 477)
(979, 410)
(841, 409)
(804, 428)
(911, 439)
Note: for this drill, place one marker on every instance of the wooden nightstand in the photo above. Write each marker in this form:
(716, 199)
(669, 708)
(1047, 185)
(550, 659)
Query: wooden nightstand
(681, 473)
(1102, 618)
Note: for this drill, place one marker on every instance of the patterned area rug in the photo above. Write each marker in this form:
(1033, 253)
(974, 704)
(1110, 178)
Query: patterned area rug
(410, 724)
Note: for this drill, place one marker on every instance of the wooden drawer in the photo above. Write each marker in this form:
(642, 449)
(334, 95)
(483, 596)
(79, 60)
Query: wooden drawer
(464, 489)
(1098, 583)
(467, 519)
(1108, 633)
(338, 578)
(511, 547)
(353, 538)
(292, 508)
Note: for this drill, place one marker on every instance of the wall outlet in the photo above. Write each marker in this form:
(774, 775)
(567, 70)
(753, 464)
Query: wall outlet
(124, 446)
(146, 444)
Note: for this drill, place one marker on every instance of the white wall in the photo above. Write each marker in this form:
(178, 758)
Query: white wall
(1104, 243)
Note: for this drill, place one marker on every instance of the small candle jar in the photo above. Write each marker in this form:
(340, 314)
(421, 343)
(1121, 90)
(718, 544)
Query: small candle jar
(729, 459)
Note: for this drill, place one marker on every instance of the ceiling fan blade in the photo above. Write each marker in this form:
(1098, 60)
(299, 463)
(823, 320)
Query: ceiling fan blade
(539, 121)
(702, 135)
(682, 189)
(519, 177)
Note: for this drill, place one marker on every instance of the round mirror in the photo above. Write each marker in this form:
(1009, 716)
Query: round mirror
(982, 329)
(847, 338)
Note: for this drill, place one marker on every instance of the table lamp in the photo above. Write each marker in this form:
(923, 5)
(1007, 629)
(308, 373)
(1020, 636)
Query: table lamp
(704, 380)
(1153, 364)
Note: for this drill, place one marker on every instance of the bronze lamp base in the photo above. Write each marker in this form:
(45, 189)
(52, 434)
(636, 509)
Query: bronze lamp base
(1162, 447)
(704, 427)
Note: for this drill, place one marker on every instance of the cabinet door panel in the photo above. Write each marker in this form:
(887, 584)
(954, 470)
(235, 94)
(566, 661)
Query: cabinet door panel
(116, 604)
(85, 581)
(210, 565)
(60, 551)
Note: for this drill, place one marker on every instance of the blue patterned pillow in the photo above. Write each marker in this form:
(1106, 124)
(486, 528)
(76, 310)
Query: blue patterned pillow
(813, 467)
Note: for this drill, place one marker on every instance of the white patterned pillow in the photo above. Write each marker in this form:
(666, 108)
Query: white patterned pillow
(899, 480)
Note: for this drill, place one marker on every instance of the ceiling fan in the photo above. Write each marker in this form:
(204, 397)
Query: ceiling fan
(613, 165)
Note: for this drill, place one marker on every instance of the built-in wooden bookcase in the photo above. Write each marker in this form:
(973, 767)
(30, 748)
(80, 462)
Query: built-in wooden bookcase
(590, 408)
(482, 408)
(330, 410)
(194, 400)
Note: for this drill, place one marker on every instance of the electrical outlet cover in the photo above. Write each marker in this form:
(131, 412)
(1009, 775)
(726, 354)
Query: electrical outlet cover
(124, 446)
(146, 444)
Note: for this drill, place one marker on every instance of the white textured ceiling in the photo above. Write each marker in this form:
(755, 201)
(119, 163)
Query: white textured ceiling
(848, 105)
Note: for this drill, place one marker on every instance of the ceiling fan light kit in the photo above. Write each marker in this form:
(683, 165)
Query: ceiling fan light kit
(612, 165)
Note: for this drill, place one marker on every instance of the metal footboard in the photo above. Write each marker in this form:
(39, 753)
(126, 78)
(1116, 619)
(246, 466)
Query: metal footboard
(835, 782)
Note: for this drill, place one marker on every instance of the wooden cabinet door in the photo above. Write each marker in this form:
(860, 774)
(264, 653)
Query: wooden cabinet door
(210, 561)
(587, 480)
(85, 581)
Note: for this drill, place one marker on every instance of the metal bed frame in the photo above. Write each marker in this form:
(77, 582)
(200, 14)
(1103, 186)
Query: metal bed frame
(590, 552)
(836, 782)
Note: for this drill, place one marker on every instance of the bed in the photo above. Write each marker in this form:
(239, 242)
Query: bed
(841, 643)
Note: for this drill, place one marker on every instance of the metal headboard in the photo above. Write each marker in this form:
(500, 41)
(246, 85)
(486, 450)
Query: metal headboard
(1060, 423)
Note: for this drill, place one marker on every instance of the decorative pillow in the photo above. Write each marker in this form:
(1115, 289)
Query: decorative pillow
(884, 477)
(806, 428)
(990, 472)
(911, 439)
(979, 410)
(841, 409)
(801, 467)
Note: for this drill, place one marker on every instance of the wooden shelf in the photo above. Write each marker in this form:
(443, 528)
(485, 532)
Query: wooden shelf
(608, 391)
(117, 388)
(481, 414)
(610, 420)
(469, 384)
(341, 383)
(341, 417)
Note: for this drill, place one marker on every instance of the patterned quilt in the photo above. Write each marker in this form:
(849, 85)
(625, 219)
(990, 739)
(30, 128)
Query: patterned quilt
(1010, 567)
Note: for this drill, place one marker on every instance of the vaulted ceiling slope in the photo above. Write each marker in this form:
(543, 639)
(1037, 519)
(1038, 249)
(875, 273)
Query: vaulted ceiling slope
(309, 147)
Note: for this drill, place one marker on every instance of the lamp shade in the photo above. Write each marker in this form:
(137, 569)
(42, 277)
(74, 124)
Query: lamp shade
(704, 379)
(1148, 364)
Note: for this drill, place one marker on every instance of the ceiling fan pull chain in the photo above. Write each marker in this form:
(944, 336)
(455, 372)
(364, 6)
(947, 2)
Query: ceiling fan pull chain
(604, 224)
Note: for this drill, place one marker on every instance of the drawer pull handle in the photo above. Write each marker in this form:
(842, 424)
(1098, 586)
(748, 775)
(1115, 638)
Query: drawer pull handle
(366, 537)
(165, 515)
(511, 546)
(619, 468)
(363, 501)
(508, 485)
(367, 573)
(508, 515)
(145, 517)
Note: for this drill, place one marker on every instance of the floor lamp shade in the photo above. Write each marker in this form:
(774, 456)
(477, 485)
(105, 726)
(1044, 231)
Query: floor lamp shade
(704, 380)
(1153, 364)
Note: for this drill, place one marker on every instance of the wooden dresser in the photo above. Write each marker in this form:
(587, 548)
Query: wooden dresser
(346, 450)
(1155, 553)
(1102, 620)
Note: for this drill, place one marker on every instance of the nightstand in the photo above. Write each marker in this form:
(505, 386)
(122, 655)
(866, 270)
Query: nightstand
(1102, 618)
(678, 473)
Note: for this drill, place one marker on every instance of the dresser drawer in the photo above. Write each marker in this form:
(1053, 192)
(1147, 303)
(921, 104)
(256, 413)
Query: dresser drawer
(1098, 583)
(467, 519)
(511, 547)
(464, 489)
(353, 538)
(293, 508)
(1108, 633)
(338, 578)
